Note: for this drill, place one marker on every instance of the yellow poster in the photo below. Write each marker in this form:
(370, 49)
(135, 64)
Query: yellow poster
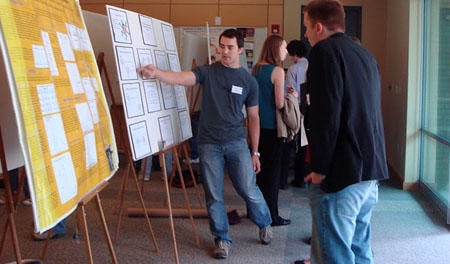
(64, 125)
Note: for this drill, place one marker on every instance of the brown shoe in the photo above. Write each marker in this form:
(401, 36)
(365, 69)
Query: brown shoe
(43, 236)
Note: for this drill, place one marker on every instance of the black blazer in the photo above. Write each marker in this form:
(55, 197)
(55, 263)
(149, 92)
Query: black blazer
(345, 120)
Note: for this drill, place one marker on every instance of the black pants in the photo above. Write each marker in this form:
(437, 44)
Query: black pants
(14, 182)
(268, 180)
(286, 161)
(302, 168)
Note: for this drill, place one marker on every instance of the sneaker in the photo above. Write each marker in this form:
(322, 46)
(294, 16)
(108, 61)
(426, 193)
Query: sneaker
(27, 202)
(221, 249)
(43, 236)
(265, 235)
(197, 160)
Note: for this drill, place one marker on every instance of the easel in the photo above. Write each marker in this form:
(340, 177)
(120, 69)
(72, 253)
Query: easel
(118, 118)
(169, 205)
(183, 148)
(11, 210)
(119, 126)
(83, 223)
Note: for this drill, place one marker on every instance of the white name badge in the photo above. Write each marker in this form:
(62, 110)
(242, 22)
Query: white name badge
(236, 89)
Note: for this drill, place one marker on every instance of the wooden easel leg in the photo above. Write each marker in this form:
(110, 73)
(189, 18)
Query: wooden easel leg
(169, 207)
(9, 203)
(47, 243)
(120, 198)
(186, 197)
(85, 232)
(105, 228)
(14, 237)
(2, 245)
(83, 223)
(141, 199)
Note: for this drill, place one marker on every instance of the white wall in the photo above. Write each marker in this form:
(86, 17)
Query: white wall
(386, 34)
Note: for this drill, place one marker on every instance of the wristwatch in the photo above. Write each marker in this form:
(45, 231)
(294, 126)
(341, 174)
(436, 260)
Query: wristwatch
(256, 153)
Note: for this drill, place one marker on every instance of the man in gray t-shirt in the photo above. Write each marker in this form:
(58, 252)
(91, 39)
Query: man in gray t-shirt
(227, 87)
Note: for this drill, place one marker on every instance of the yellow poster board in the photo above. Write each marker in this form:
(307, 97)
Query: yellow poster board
(63, 121)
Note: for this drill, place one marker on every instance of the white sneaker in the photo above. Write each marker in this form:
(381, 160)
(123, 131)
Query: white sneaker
(265, 235)
(197, 160)
(221, 249)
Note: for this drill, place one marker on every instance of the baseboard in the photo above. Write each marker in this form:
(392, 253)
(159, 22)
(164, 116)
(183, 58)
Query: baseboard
(396, 181)
(394, 178)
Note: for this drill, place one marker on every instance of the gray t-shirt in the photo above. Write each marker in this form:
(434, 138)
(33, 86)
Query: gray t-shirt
(225, 91)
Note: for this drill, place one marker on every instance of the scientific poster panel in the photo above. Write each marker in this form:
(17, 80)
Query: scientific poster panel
(151, 107)
(64, 127)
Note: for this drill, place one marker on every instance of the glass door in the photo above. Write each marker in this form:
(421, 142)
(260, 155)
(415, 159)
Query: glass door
(435, 128)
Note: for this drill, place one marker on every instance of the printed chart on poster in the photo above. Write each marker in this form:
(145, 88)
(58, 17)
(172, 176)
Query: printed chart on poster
(156, 113)
(63, 122)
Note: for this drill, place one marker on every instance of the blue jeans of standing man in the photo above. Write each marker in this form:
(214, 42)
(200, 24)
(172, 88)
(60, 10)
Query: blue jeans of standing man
(60, 228)
(235, 158)
(341, 223)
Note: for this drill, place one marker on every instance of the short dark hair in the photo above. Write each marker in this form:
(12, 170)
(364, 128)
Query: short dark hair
(330, 13)
(233, 33)
(297, 48)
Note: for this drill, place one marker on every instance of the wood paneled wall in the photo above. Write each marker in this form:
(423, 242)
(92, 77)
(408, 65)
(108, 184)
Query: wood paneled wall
(253, 13)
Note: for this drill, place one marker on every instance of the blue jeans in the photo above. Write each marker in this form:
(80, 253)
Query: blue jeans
(60, 228)
(341, 223)
(148, 166)
(235, 158)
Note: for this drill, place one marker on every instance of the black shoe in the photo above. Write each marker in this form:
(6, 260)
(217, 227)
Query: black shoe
(281, 222)
(307, 240)
(303, 261)
(233, 217)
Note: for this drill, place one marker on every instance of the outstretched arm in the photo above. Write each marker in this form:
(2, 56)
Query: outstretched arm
(185, 78)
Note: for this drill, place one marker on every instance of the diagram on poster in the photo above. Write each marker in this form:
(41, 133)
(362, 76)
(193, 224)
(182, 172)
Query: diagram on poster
(65, 130)
(156, 113)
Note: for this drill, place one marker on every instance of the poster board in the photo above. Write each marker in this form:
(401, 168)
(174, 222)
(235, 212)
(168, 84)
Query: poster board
(13, 152)
(156, 113)
(193, 43)
(64, 127)
(97, 26)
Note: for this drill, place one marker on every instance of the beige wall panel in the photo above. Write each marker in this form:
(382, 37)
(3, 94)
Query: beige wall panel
(149, 2)
(193, 15)
(96, 8)
(161, 12)
(244, 2)
(209, 2)
(276, 2)
(275, 16)
(245, 15)
(109, 2)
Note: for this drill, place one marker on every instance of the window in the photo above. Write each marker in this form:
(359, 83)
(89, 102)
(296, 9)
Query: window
(435, 127)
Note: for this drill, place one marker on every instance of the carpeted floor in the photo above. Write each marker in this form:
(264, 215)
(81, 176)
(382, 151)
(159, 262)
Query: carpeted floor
(406, 230)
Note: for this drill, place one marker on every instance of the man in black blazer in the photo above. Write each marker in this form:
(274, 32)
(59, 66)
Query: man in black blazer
(347, 141)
